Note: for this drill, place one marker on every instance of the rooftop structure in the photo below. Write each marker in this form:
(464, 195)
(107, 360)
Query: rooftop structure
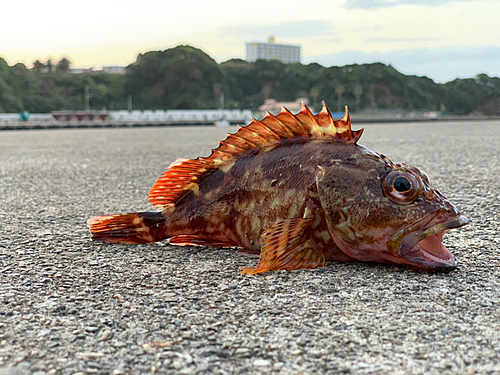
(274, 107)
(285, 53)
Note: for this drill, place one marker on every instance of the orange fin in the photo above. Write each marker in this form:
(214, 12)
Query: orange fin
(184, 176)
(186, 240)
(181, 177)
(338, 129)
(287, 247)
(141, 227)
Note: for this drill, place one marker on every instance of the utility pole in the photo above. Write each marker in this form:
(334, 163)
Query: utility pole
(129, 103)
(86, 96)
(221, 100)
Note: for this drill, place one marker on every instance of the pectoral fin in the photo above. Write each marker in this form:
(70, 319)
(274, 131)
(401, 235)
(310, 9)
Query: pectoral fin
(288, 245)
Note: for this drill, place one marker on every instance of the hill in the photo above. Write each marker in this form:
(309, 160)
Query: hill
(186, 77)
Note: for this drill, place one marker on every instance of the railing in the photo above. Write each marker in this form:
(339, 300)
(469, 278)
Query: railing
(96, 119)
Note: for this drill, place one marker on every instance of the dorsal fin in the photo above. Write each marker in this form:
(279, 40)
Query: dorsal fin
(183, 176)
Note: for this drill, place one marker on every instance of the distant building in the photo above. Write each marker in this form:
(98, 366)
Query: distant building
(114, 69)
(274, 107)
(105, 69)
(81, 70)
(285, 53)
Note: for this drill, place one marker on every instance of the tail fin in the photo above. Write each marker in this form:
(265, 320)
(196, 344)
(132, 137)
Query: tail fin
(141, 227)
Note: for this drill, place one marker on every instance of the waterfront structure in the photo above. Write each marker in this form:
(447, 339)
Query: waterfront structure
(81, 70)
(185, 116)
(105, 69)
(285, 53)
(274, 107)
(114, 69)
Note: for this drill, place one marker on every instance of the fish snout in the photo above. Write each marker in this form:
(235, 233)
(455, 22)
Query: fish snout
(424, 247)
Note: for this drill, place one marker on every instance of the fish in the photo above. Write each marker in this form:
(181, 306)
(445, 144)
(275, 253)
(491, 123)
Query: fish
(295, 191)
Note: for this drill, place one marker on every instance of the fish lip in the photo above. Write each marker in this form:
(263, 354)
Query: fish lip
(442, 260)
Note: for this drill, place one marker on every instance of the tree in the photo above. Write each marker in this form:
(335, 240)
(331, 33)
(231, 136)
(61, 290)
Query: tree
(183, 77)
(339, 90)
(50, 65)
(314, 94)
(186, 77)
(358, 90)
(38, 66)
(63, 65)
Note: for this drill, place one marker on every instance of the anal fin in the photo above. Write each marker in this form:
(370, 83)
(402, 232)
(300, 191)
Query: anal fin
(288, 245)
(249, 253)
(193, 240)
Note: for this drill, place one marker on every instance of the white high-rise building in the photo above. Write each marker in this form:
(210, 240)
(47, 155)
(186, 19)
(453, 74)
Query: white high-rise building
(272, 51)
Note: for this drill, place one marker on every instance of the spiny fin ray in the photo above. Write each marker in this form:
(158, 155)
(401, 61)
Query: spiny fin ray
(286, 247)
(184, 176)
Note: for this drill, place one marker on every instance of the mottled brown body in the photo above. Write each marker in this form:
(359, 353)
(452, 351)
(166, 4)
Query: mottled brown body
(261, 188)
(296, 190)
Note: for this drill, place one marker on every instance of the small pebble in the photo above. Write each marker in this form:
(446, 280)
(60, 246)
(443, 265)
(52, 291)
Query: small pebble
(94, 365)
(261, 363)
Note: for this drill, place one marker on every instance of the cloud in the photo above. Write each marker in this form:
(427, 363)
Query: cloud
(288, 30)
(371, 4)
(401, 40)
(441, 64)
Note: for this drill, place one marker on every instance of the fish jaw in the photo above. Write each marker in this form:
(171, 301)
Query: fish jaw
(418, 246)
(424, 247)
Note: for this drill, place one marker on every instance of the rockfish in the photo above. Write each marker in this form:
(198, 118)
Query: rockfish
(295, 191)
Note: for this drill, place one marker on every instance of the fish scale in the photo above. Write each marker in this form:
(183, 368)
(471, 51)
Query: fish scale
(298, 191)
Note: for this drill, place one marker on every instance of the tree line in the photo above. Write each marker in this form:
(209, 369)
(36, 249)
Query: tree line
(185, 77)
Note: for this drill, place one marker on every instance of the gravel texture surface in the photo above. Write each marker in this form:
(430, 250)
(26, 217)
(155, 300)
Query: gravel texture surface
(69, 306)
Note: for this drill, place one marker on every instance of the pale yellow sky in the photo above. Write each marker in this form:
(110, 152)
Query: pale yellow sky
(334, 32)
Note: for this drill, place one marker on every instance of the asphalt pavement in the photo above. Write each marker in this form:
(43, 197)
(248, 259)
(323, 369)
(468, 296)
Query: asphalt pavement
(69, 306)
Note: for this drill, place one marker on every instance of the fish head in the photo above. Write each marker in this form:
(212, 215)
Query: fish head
(389, 213)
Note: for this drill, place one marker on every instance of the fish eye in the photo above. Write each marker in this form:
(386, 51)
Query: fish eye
(402, 184)
(401, 187)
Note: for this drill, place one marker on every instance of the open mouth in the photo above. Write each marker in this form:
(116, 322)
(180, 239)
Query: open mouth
(424, 247)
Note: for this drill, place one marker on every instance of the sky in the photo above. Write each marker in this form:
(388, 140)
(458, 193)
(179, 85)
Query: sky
(441, 39)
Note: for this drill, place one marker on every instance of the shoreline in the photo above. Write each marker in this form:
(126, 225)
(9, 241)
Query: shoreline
(46, 125)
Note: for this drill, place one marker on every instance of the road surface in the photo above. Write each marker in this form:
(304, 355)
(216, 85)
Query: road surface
(69, 306)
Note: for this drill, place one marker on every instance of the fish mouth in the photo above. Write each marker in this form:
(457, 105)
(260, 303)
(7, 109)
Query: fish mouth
(424, 247)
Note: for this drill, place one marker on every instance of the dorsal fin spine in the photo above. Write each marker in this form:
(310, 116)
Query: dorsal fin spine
(248, 134)
(281, 125)
(346, 118)
(235, 147)
(305, 116)
(325, 119)
(245, 143)
(224, 153)
(357, 135)
(231, 145)
(269, 129)
(184, 176)
(261, 129)
(292, 123)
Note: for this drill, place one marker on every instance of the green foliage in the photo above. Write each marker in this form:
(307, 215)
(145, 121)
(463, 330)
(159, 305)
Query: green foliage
(467, 95)
(182, 77)
(63, 65)
(9, 102)
(42, 90)
(186, 77)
